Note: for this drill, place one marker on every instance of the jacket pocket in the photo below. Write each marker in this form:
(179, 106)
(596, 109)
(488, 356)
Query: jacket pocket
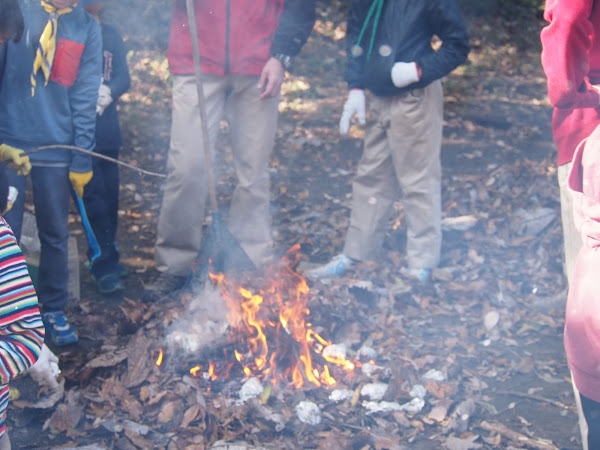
(66, 62)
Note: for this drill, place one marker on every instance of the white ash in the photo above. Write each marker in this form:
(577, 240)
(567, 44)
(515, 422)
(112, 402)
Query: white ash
(335, 351)
(414, 406)
(369, 369)
(308, 412)
(375, 391)
(373, 407)
(418, 391)
(339, 395)
(434, 375)
(366, 353)
(252, 388)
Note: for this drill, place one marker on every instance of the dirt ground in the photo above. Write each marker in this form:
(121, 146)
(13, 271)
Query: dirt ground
(490, 321)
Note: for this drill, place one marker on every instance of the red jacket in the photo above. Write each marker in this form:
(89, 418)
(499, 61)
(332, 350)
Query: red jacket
(238, 36)
(571, 61)
(582, 322)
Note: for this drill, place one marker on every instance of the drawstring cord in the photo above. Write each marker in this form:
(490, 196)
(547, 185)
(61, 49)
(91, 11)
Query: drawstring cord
(375, 9)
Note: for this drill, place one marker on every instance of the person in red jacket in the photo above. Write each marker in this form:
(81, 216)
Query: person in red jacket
(571, 60)
(245, 47)
(582, 323)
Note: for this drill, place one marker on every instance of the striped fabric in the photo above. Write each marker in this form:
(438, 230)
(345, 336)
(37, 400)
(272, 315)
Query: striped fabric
(4, 391)
(21, 328)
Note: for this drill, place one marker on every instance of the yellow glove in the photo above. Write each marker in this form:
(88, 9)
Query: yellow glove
(79, 180)
(19, 162)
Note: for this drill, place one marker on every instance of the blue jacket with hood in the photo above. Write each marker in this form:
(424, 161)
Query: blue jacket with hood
(63, 111)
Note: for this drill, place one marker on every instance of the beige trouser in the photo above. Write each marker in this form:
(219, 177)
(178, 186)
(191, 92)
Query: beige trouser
(401, 154)
(253, 124)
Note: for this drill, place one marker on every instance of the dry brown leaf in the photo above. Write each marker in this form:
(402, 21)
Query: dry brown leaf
(167, 412)
(138, 440)
(139, 364)
(109, 359)
(440, 410)
(454, 443)
(439, 390)
(189, 415)
(133, 407)
(66, 415)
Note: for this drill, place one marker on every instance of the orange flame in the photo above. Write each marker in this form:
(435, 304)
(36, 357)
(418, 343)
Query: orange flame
(270, 320)
(159, 359)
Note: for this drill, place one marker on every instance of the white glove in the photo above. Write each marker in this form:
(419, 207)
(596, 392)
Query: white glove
(404, 74)
(354, 105)
(45, 370)
(104, 99)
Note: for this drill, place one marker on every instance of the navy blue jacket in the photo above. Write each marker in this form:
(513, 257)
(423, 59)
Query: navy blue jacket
(403, 34)
(115, 74)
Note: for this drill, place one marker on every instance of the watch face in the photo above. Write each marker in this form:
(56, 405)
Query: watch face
(285, 60)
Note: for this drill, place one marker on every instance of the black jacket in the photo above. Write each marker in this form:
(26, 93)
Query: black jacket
(115, 74)
(404, 33)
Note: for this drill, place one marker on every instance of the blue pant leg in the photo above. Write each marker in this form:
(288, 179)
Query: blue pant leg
(51, 198)
(100, 198)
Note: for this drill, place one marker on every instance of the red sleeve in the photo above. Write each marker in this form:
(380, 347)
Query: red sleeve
(566, 46)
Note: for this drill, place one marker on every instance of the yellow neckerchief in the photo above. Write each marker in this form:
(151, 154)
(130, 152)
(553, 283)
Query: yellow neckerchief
(44, 54)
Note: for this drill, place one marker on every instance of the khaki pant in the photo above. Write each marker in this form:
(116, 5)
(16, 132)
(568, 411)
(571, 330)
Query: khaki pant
(253, 124)
(401, 155)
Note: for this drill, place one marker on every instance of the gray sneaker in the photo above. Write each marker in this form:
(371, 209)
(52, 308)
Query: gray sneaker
(164, 285)
(334, 268)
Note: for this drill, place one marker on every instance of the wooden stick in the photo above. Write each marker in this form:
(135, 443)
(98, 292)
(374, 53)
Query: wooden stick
(92, 154)
(518, 438)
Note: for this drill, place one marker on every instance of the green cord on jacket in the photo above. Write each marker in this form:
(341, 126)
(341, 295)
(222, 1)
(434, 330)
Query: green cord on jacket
(376, 8)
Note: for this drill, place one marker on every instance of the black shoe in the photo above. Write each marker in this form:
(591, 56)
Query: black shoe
(109, 283)
(164, 285)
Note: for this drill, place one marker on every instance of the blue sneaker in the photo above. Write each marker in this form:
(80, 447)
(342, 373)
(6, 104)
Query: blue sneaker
(420, 274)
(334, 268)
(58, 329)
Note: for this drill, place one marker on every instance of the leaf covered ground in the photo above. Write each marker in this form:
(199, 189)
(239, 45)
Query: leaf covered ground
(473, 359)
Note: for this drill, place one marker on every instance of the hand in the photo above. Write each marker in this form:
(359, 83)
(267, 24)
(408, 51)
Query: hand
(354, 105)
(45, 370)
(271, 79)
(19, 161)
(404, 73)
(104, 99)
(79, 180)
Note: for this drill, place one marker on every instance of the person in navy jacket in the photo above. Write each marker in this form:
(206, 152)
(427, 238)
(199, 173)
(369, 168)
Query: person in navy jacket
(101, 196)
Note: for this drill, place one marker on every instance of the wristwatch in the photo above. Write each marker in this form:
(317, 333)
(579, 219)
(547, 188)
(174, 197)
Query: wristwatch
(285, 60)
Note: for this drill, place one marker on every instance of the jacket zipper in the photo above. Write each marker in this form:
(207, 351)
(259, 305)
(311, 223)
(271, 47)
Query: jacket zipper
(227, 29)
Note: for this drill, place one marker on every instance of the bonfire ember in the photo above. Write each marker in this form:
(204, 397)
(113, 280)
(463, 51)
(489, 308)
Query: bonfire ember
(270, 329)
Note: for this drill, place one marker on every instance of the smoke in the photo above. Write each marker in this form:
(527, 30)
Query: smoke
(202, 322)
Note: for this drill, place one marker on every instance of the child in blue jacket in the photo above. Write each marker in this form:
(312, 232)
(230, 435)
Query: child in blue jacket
(101, 196)
(48, 93)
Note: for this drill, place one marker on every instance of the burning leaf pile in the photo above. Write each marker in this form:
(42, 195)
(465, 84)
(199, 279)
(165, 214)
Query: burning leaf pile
(270, 331)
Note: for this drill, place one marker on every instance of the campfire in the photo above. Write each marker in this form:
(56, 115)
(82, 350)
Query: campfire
(269, 333)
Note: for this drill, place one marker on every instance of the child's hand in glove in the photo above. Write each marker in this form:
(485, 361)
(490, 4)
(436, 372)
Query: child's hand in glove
(45, 370)
(104, 99)
(79, 180)
(19, 161)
